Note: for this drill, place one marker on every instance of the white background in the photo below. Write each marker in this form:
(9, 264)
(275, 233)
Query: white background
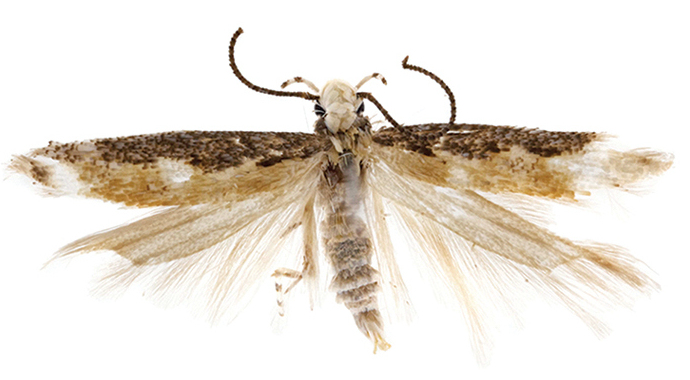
(74, 70)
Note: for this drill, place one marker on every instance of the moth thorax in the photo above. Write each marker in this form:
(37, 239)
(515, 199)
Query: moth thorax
(339, 100)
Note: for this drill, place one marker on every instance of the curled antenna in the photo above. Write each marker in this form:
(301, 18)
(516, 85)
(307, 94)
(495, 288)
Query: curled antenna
(238, 74)
(368, 96)
(437, 80)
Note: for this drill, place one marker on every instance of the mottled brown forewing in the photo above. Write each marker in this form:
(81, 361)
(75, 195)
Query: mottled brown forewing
(479, 141)
(179, 168)
(487, 158)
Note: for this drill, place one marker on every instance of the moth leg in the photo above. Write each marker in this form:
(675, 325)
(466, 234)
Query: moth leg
(296, 276)
(281, 289)
(310, 271)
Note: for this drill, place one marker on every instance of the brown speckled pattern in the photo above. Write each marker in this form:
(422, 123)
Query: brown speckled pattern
(209, 151)
(481, 141)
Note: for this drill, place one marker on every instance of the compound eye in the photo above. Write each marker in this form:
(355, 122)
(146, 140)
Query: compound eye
(318, 110)
(360, 109)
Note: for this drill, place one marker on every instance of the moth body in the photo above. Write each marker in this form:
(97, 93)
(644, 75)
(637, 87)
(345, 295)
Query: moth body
(346, 238)
(231, 200)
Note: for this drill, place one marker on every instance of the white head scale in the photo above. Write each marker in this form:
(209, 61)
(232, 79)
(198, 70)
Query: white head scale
(339, 99)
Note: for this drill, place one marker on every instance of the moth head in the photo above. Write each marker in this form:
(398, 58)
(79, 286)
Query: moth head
(338, 105)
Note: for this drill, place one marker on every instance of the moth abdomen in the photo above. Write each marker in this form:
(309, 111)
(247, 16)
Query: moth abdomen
(348, 247)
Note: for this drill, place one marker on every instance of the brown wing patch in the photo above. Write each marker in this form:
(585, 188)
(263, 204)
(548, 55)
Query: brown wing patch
(477, 141)
(485, 157)
(176, 168)
(494, 159)
(208, 151)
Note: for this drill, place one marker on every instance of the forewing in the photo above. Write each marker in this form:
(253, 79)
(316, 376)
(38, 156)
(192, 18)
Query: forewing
(499, 159)
(174, 168)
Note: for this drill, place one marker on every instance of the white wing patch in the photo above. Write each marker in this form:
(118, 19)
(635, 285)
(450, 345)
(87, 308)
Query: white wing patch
(175, 171)
(59, 179)
(602, 167)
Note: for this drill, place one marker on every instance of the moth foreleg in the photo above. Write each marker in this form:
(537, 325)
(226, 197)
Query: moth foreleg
(283, 286)
(287, 279)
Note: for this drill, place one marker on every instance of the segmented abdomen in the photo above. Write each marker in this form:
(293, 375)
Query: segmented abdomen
(348, 248)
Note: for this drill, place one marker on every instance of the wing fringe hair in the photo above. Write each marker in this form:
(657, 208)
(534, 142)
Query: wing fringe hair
(215, 274)
(211, 256)
(487, 257)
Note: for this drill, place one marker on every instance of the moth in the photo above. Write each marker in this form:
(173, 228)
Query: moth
(226, 202)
